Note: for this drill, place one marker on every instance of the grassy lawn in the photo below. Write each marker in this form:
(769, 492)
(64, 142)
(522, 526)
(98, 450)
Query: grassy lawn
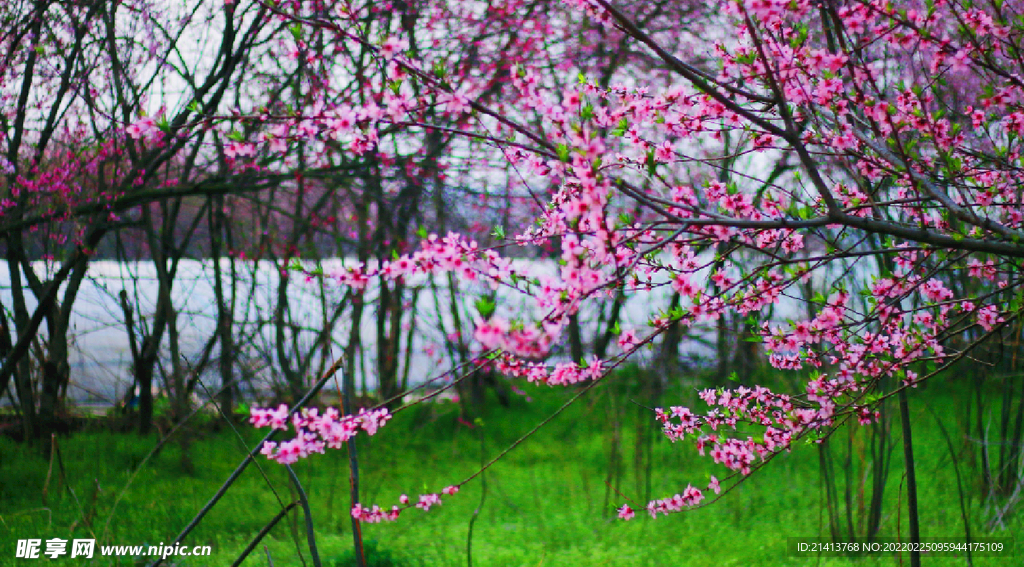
(547, 503)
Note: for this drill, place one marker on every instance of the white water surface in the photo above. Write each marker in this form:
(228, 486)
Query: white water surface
(100, 354)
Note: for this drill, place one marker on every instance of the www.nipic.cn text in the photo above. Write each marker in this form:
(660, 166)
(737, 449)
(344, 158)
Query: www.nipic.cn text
(86, 548)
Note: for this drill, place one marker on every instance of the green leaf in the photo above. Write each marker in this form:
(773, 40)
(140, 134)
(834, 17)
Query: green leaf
(587, 112)
(164, 124)
(499, 232)
(620, 130)
(485, 306)
(563, 153)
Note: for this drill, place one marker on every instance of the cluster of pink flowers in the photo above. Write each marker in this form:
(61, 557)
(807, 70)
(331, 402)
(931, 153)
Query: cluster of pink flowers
(314, 432)
(988, 317)
(689, 498)
(563, 373)
(375, 514)
(524, 342)
(759, 407)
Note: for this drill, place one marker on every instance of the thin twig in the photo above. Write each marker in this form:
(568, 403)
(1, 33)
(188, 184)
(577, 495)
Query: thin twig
(310, 533)
(483, 498)
(263, 532)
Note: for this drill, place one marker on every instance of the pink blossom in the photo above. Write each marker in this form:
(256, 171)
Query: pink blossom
(628, 340)
(144, 129)
(427, 501)
(988, 317)
(393, 46)
(455, 102)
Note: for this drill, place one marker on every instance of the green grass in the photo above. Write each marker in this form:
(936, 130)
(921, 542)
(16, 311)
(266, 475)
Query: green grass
(547, 502)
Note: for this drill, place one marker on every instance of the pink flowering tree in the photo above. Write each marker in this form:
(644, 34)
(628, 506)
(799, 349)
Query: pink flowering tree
(859, 158)
(106, 121)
